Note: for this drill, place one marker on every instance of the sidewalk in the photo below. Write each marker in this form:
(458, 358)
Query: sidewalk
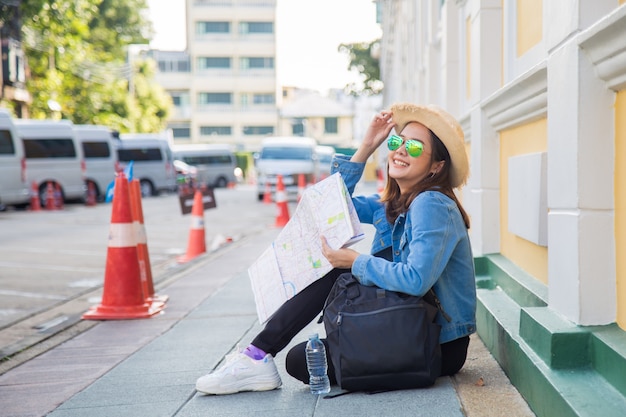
(148, 367)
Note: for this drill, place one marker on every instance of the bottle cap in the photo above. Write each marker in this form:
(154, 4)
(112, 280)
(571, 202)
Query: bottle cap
(313, 336)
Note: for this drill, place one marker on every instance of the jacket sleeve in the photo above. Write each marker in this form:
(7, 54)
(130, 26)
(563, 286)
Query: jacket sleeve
(421, 252)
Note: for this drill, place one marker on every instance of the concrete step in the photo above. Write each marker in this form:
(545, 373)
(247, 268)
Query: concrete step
(560, 368)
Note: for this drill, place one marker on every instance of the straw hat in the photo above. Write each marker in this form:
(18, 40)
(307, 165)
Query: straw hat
(444, 126)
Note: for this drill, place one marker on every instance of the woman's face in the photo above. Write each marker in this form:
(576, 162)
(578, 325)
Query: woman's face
(408, 170)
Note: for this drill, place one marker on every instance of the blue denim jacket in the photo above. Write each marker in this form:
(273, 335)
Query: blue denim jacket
(431, 248)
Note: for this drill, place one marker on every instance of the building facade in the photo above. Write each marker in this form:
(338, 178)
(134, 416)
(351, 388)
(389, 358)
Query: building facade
(540, 90)
(224, 84)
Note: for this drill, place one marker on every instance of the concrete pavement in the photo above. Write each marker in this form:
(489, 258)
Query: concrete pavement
(148, 367)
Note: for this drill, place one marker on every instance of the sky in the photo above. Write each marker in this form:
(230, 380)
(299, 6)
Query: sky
(308, 34)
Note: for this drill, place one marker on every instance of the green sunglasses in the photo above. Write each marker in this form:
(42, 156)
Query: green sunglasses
(413, 147)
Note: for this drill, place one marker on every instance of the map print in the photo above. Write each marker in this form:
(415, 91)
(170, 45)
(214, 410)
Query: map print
(295, 260)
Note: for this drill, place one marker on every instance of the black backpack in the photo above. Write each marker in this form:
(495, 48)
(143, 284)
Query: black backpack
(381, 340)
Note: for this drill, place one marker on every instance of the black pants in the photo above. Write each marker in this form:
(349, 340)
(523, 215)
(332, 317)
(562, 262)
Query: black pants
(295, 314)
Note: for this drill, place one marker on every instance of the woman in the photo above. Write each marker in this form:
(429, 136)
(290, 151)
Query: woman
(421, 241)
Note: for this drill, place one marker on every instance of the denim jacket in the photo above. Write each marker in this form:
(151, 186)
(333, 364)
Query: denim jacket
(431, 248)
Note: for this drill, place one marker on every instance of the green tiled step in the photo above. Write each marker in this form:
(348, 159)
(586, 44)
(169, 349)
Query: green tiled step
(561, 369)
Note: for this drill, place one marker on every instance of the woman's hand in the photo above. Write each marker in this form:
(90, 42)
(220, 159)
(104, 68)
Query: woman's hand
(338, 258)
(376, 134)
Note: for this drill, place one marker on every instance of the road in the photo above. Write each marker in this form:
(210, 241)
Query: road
(52, 263)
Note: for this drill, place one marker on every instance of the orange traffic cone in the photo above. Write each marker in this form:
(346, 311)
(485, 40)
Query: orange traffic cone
(50, 200)
(145, 269)
(267, 196)
(35, 204)
(58, 197)
(301, 186)
(197, 242)
(91, 195)
(282, 216)
(122, 296)
(380, 182)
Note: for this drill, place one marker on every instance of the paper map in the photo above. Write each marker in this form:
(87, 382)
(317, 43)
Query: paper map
(294, 260)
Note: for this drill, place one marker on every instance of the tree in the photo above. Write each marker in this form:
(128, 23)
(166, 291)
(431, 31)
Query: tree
(364, 59)
(77, 52)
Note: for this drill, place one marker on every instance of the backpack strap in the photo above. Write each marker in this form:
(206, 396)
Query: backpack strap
(431, 298)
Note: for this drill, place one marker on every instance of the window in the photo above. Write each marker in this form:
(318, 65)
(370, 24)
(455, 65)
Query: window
(257, 63)
(208, 159)
(147, 154)
(330, 125)
(49, 148)
(258, 130)
(205, 99)
(212, 27)
(256, 27)
(181, 132)
(96, 150)
(294, 152)
(264, 99)
(175, 65)
(297, 127)
(213, 62)
(6, 143)
(215, 130)
(180, 98)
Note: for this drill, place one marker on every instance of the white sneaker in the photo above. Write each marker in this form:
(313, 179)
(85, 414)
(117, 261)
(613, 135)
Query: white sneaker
(241, 373)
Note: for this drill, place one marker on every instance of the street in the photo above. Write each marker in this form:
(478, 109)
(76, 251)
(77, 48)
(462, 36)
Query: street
(52, 263)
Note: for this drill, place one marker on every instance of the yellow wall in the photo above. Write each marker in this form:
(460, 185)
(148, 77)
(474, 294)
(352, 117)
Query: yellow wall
(525, 139)
(529, 24)
(620, 205)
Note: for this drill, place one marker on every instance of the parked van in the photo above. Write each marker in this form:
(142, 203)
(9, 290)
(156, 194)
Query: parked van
(99, 151)
(53, 154)
(14, 189)
(216, 164)
(288, 156)
(152, 158)
(324, 157)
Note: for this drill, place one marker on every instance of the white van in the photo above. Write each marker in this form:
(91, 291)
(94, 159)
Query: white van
(53, 154)
(324, 157)
(152, 158)
(216, 164)
(99, 151)
(288, 156)
(14, 190)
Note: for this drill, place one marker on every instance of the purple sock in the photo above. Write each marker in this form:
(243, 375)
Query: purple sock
(254, 352)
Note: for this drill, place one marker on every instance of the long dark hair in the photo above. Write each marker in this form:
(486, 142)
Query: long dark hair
(397, 203)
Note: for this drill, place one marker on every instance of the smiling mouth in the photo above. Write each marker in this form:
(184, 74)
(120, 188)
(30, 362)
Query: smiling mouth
(402, 164)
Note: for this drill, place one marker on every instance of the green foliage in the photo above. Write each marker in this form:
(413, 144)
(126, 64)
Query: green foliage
(364, 59)
(77, 57)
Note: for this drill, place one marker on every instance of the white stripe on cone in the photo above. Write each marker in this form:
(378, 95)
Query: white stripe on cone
(197, 222)
(122, 235)
(140, 232)
(281, 196)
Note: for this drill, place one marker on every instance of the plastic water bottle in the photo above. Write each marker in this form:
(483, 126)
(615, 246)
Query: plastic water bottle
(317, 366)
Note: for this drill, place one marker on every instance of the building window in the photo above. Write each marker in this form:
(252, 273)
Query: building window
(203, 28)
(258, 130)
(174, 65)
(297, 127)
(181, 132)
(256, 63)
(215, 130)
(256, 27)
(180, 98)
(330, 125)
(205, 99)
(213, 63)
(264, 99)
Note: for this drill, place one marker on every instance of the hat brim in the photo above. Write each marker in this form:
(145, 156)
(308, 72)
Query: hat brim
(442, 124)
